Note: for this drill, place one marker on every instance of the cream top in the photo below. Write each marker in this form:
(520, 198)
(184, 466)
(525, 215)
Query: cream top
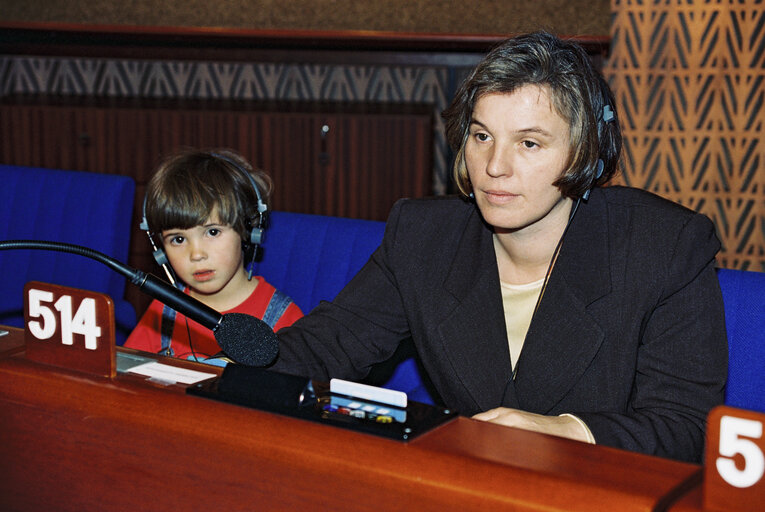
(518, 301)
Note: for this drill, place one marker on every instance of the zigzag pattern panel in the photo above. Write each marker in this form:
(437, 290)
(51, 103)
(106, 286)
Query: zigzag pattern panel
(689, 80)
(256, 81)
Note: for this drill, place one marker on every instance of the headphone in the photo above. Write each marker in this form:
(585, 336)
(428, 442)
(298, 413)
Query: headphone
(251, 241)
(606, 117)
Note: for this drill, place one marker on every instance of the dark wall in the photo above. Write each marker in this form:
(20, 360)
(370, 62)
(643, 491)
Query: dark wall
(565, 17)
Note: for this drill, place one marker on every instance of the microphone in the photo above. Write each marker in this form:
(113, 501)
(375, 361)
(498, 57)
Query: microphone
(243, 338)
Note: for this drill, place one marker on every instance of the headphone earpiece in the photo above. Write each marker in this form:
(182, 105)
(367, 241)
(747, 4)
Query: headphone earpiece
(256, 235)
(606, 117)
(608, 113)
(159, 255)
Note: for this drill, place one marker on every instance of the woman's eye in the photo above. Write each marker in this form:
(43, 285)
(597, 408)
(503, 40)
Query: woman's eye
(481, 137)
(530, 144)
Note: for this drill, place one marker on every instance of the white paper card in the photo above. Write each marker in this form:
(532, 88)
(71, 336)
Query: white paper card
(167, 373)
(367, 392)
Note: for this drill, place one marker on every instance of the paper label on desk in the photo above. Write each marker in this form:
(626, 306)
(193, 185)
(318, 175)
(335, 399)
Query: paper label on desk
(168, 373)
(367, 392)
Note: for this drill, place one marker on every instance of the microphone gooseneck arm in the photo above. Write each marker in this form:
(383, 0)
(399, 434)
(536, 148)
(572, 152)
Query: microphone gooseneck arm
(148, 283)
(178, 300)
(245, 339)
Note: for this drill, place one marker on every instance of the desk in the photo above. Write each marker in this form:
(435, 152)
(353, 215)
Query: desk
(71, 441)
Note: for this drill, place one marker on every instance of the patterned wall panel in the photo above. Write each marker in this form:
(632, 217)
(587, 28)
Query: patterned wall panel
(689, 77)
(257, 81)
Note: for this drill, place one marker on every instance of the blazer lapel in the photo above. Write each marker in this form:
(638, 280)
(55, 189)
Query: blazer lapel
(563, 337)
(473, 333)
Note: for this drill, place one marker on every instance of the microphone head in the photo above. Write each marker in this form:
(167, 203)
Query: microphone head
(247, 340)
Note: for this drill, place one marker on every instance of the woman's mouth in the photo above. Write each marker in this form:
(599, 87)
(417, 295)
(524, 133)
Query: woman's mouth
(499, 197)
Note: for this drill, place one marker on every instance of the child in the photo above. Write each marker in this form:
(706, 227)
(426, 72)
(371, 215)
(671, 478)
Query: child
(204, 212)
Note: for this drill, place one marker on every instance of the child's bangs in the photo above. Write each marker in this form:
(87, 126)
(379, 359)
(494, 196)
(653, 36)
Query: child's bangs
(193, 204)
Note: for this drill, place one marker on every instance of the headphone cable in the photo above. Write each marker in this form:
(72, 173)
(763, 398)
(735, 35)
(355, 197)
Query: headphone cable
(549, 271)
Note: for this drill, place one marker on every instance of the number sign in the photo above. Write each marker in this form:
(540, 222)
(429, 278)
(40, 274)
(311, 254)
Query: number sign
(734, 472)
(70, 328)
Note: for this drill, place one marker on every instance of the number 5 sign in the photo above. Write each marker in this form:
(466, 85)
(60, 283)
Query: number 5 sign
(70, 328)
(734, 472)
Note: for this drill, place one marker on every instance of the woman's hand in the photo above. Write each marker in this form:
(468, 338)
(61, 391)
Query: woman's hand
(562, 426)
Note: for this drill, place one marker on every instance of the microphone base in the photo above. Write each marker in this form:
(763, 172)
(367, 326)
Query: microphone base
(302, 398)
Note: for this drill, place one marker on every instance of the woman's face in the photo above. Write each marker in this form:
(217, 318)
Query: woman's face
(517, 146)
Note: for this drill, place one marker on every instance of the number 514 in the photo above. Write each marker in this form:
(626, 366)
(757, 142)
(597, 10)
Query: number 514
(44, 320)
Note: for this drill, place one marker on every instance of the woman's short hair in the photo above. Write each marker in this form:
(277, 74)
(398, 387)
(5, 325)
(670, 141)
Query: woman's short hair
(579, 94)
(188, 186)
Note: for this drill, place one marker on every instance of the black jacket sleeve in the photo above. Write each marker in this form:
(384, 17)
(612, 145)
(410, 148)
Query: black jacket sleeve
(681, 363)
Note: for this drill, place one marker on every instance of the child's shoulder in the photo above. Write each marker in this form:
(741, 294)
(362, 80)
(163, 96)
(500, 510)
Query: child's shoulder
(271, 305)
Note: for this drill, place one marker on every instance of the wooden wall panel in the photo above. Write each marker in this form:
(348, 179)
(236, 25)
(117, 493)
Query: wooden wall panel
(404, 16)
(359, 168)
(689, 77)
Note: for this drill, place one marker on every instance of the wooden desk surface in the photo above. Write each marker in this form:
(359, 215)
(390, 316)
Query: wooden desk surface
(693, 501)
(70, 441)
(12, 342)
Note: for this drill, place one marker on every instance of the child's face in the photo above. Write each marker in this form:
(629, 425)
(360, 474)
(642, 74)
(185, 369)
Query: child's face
(208, 258)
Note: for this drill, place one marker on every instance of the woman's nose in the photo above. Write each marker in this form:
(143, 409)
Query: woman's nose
(500, 162)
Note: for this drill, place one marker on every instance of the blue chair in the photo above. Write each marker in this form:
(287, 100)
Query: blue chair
(83, 208)
(312, 257)
(744, 300)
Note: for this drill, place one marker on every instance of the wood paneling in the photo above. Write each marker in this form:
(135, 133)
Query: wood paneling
(688, 79)
(366, 158)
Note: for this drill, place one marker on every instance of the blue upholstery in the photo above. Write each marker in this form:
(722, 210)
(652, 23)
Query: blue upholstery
(89, 209)
(311, 258)
(744, 299)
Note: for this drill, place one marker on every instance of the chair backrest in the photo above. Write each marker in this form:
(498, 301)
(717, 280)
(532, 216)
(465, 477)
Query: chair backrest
(744, 300)
(312, 257)
(83, 208)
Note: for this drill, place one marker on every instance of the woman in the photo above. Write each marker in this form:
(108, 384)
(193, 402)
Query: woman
(539, 299)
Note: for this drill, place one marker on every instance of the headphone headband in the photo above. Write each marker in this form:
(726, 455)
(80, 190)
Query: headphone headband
(262, 208)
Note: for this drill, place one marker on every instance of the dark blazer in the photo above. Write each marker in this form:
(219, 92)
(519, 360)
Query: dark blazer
(629, 336)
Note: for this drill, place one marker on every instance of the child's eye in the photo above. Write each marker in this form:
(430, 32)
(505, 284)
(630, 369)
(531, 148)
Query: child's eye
(213, 231)
(177, 240)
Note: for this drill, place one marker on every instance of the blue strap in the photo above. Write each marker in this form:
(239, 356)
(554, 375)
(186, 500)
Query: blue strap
(166, 327)
(166, 330)
(214, 361)
(276, 307)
